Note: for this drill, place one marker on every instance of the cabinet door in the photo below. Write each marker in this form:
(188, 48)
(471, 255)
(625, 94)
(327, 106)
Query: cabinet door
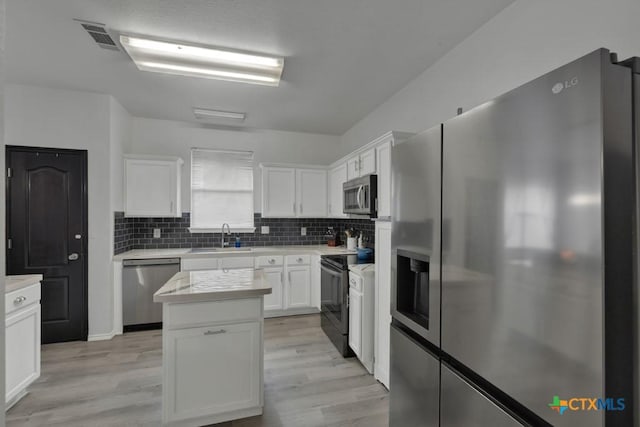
(273, 276)
(188, 264)
(383, 298)
(355, 322)
(353, 167)
(298, 293)
(311, 185)
(22, 341)
(278, 192)
(368, 162)
(383, 169)
(151, 188)
(236, 262)
(337, 177)
(212, 369)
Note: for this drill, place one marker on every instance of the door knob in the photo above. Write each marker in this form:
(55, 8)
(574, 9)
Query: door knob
(74, 256)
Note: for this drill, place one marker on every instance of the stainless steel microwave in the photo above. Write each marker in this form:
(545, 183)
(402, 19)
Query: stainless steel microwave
(361, 196)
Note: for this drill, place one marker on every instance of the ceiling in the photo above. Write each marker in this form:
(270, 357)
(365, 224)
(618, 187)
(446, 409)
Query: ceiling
(342, 57)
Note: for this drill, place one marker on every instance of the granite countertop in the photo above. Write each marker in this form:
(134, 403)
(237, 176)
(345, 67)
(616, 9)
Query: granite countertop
(14, 283)
(213, 285)
(228, 252)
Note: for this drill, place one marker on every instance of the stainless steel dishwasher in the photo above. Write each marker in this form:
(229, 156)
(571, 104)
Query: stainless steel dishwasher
(141, 278)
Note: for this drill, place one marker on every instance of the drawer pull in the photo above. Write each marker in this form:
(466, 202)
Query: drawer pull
(299, 259)
(272, 261)
(19, 300)
(221, 331)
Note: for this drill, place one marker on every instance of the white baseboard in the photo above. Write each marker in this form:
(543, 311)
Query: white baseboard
(101, 337)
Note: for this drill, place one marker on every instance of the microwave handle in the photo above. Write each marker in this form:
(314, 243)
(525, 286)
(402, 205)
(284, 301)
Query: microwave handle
(360, 188)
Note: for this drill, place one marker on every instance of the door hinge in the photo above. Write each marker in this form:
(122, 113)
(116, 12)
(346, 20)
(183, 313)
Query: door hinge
(8, 172)
(9, 243)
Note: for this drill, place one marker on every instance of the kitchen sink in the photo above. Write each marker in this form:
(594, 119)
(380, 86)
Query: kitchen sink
(217, 250)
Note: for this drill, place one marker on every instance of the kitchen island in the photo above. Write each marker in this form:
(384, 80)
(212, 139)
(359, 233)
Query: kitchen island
(212, 346)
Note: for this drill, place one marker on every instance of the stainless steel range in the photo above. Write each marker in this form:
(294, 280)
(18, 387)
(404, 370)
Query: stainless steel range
(334, 298)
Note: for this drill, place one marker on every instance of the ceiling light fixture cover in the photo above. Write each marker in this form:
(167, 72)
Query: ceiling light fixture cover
(202, 61)
(203, 113)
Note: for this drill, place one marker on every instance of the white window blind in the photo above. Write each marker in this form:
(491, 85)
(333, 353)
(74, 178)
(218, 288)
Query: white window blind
(221, 190)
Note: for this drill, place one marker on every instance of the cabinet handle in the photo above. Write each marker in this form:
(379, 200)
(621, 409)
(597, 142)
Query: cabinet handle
(272, 261)
(19, 300)
(301, 210)
(171, 206)
(294, 208)
(221, 331)
(299, 259)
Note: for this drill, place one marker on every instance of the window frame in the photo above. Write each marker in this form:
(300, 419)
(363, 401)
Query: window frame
(191, 191)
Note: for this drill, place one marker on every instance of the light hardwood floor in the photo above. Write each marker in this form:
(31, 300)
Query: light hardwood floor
(118, 383)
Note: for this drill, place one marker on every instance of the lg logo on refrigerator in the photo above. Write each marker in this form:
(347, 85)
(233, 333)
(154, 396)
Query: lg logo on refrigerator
(560, 86)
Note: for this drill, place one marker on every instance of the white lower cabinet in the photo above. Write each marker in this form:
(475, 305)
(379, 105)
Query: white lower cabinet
(383, 301)
(212, 372)
(214, 263)
(22, 341)
(298, 293)
(188, 264)
(293, 288)
(274, 276)
(355, 322)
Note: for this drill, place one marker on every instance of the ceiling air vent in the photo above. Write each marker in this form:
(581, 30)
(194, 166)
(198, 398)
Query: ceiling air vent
(99, 34)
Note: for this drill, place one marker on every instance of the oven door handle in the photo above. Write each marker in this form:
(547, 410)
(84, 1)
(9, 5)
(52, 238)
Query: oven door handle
(331, 271)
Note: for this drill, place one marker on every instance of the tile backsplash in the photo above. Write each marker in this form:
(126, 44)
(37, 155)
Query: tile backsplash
(137, 233)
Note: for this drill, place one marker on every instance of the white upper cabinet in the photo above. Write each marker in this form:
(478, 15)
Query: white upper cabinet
(311, 185)
(294, 192)
(278, 192)
(152, 186)
(361, 164)
(383, 160)
(353, 168)
(368, 162)
(337, 177)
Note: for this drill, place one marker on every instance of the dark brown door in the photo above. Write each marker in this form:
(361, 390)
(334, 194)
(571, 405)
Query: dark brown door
(47, 232)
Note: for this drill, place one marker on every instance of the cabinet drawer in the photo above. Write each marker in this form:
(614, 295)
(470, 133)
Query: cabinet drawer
(189, 264)
(22, 298)
(236, 262)
(201, 313)
(269, 260)
(355, 282)
(298, 259)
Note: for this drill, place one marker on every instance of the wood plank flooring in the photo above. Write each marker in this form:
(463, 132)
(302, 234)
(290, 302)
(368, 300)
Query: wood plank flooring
(118, 383)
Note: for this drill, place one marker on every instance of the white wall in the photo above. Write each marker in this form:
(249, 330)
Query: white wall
(120, 143)
(524, 41)
(43, 117)
(171, 138)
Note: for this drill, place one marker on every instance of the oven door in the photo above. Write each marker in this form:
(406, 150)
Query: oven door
(334, 296)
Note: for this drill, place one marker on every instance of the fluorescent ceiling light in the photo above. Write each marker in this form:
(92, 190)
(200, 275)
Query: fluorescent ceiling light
(203, 113)
(200, 61)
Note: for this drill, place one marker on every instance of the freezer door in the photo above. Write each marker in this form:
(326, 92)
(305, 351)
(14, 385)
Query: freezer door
(415, 379)
(523, 277)
(415, 239)
(463, 406)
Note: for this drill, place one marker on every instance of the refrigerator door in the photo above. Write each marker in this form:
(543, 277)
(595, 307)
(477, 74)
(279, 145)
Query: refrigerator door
(415, 379)
(415, 239)
(523, 277)
(463, 406)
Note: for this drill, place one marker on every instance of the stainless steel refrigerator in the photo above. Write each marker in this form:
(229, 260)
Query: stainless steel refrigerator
(513, 258)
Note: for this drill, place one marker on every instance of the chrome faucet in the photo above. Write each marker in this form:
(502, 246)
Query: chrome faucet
(224, 244)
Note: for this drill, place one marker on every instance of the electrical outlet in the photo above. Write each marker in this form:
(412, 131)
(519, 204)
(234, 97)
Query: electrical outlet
(303, 231)
(156, 233)
(264, 229)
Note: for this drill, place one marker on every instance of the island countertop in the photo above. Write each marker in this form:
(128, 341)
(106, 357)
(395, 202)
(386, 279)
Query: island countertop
(213, 285)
